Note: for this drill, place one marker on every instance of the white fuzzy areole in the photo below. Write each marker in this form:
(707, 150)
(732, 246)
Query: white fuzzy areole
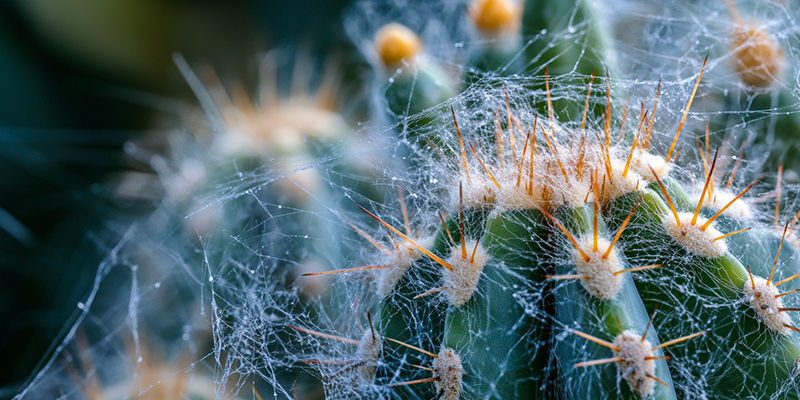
(367, 354)
(763, 301)
(570, 194)
(694, 240)
(450, 372)
(615, 185)
(513, 197)
(550, 189)
(642, 161)
(479, 192)
(399, 262)
(601, 281)
(279, 130)
(541, 183)
(721, 197)
(460, 282)
(633, 353)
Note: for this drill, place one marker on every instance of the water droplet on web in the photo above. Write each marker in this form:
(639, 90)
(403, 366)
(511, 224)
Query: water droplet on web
(211, 279)
(458, 45)
(81, 305)
(305, 236)
(280, 206)
(391, 80)
(139, 360)
(571, 29)
(157, 285)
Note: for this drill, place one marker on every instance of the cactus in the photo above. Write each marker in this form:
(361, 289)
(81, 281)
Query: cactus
(545, 243)
(507, 345)
(519, 321)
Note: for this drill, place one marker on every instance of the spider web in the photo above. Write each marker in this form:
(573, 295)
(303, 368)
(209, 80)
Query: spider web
(206, 293)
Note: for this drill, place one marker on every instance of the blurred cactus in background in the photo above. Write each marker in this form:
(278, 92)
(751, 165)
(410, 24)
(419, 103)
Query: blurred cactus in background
(483, 199)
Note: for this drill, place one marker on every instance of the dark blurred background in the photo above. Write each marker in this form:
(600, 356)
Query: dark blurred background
(79, 78)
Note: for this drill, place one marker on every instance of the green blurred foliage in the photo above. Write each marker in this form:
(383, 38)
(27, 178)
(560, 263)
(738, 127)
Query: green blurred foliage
(78, 79)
